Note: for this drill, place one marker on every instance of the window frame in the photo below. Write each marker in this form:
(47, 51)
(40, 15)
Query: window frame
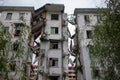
(21, 16)
(9, 16)
(53, 62)
(54, 30)
(54, 45)
(88, 34)
(87, 19)
(54, 16)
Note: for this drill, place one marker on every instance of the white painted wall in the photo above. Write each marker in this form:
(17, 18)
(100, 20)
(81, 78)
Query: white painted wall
(52, 53)
(55, 53)
(84, 50)
(53, 23)
(15, 17)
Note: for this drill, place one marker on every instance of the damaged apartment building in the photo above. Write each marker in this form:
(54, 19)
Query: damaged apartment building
(51, 52)
(86, 19)
(16, 19)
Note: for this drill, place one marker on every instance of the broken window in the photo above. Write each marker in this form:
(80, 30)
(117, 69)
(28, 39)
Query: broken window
(18, 29)
(54, 45)
(54, 30)
(87, 19)
(89, 34)
(21, 16)
(9, 16)
(53, 62)
(54, 16)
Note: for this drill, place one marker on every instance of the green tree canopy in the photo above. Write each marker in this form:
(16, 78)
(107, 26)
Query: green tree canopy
(13, 57)
(106, 40)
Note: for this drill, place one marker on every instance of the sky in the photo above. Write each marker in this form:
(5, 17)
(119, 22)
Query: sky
(70, 5)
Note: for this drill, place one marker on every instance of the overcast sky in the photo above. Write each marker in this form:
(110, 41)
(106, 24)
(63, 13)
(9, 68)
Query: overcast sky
(70, 5)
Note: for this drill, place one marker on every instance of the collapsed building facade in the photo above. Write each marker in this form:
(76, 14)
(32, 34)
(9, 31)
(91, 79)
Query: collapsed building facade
(51, 52)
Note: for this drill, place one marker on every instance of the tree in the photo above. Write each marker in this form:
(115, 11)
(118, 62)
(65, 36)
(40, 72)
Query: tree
(106, 40)
(13, 57)
(4, 40)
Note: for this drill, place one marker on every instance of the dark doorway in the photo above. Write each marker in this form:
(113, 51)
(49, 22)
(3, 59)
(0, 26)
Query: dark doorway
(53, 77)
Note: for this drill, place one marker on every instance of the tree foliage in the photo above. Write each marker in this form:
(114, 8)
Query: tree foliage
(106, 40)
(13, 58)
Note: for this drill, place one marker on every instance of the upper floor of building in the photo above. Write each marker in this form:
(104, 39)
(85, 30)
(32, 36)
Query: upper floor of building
(49, 20)
(16, 14)
(86, 17)
(16, 19)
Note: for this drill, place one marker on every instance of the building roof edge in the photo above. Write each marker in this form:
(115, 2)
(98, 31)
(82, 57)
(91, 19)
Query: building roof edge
(17, 8)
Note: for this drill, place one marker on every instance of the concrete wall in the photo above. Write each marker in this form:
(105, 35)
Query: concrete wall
(53, 23)
(55, 53)
(15, 17)
(84, 50)
(52, 53)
